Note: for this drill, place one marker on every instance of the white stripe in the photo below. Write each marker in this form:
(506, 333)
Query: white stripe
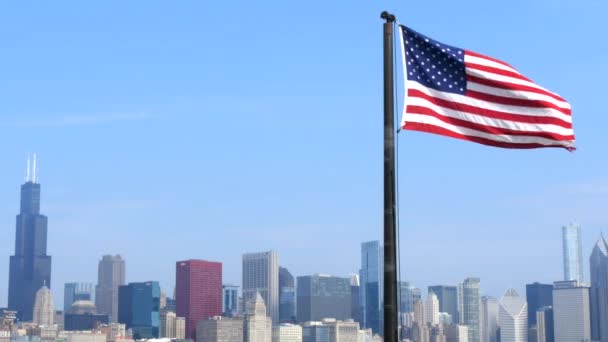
(519, 110)
(487, 121)
(513, 139)
(487, 62)
(502, 78)
(516, 94)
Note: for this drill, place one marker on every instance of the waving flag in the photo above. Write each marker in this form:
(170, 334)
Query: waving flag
(466, 95)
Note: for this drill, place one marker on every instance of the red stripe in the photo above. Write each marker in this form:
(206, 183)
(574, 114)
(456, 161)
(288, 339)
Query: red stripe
(488, 112)
(475, 54)
(414, 126)
(497, 71)
(516, 102)
(485, 128)
(512, 86)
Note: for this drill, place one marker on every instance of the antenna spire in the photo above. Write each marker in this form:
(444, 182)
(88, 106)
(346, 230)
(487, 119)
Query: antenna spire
(27, 170)
(34, 170)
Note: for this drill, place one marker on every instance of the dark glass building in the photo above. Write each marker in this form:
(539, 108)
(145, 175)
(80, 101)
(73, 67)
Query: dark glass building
(355, 306)
(84, 321)
(138, 308)
(287, 296)
(30, 267)
(230, 300)
(323, 296)
(537, 295)
(371, 293)
(448, 299)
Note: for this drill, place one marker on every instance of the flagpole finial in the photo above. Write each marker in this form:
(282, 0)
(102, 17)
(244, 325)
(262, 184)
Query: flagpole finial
(387, 16)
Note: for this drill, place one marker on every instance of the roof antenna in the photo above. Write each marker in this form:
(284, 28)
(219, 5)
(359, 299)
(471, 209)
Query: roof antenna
(34, 170)
(27, 170)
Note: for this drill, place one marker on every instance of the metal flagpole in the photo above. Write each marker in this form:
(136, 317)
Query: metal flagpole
(391, 333)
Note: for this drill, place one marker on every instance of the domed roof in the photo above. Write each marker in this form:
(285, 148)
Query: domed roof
(83, 306)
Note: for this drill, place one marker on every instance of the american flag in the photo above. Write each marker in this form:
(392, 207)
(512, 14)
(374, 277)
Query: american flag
(466, 95)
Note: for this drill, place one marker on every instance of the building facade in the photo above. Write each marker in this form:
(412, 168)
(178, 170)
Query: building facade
(431, 309)
(220, 329)
(315, 332)
(355, 306)
(30, 267)
(258, 326)
(261, 275)
(287, 332)
(470, 300)
(371, 277)
(198, 292)
(572, 247)
(448, 299)
(544, 325)
(323, 296)
(44, 307)
(139, 308)
(538, 296)
(489, 319)
(513, 318)
(599, 291)
(73, 292)
(571, 316)
(230, 300)
(287, 296)
(110, 275)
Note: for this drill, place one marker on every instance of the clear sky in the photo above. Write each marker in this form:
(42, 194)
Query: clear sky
(169, 130)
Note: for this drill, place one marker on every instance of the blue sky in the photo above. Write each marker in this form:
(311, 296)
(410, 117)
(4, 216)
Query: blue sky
(198, 129)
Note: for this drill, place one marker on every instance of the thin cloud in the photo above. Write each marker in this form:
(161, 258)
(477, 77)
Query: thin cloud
(67, 121)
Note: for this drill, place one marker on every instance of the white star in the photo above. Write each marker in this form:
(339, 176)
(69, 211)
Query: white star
(461, 89)
(450, 86)
(433, 77)
(460, 52)
(445, 80)
(426, 40)
(438, 83)
(439, 72)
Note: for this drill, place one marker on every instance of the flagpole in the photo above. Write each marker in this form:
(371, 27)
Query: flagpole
(391, 333)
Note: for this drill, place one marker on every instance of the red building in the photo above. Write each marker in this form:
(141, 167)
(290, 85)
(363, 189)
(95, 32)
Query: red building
(198, 292)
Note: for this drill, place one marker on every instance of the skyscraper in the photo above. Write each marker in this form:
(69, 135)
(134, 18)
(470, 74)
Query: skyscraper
(44, 309)
(110, 275)
(408, 295)
(573, 252)
(599, 291)
(258, 326)
(138, 308)
(544, 324)
(261, 274)
(571, 317)
(513, 318)
(355, 307)
(323, 296)
(230, 300)
(371, 289)
(287, 296)
(30, 267)
(431, 309)
(489, 319)
(198, 291)
(470, 302)
(537, 295)
(448, 299)
(73, 292)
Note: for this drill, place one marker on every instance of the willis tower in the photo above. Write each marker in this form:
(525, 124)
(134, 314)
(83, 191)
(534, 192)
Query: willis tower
(30, 267)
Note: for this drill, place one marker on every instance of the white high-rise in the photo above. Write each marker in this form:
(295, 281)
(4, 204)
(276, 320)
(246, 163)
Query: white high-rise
(571, 316)
(513, 318)
(287, 333)
(431, 309)
(44, 309)
(261, 275)
(573, 252)
(258, 326)
(489, 319)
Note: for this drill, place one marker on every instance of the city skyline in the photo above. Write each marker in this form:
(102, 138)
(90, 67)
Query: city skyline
(106, 93)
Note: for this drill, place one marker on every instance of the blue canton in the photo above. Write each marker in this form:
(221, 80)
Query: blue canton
(433, 64)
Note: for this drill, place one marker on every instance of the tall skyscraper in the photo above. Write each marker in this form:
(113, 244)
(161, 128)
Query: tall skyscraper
(323, 296)
(198, 292)
(599, 291)
(138, 308)
(261, 274)
(537, 295)
(513, 318)
(489, 319)
(355, 306)
(73, 292)
(448, 299)
(110, 275)
(573, 252)
(44, 308)
(544, 324)
(287, 296)
(571, 317)
(258, 326)
(431, 309)
(470, 302)
(371, 276)
(30, 267)
(408, 295)
(230, 300)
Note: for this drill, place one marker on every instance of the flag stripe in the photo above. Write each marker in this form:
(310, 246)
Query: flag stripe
(512, 86)
(497, 71)
(501, 78)
(484, 61)
(478, 55)
(462, 102)
(526, 95)
(415, 103)
(515, 102)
